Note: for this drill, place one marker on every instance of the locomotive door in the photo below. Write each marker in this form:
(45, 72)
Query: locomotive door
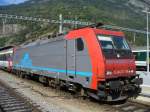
(71, 58)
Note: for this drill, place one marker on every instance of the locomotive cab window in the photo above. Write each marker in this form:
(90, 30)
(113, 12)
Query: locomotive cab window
(79, 44)
(114, 46)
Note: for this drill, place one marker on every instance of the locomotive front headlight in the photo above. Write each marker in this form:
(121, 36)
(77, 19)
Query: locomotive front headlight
(109, 72)
(128, 71)
(132, 71)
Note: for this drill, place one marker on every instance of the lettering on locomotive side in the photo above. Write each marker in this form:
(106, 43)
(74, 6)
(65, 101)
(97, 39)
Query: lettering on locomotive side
(121, 71)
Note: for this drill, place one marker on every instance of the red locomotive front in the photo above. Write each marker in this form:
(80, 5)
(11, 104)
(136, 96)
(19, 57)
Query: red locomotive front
(119, 60)
(120, 76)
(113, 66)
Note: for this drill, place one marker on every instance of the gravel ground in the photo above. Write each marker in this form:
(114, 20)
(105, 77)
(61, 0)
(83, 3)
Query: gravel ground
(52, 100)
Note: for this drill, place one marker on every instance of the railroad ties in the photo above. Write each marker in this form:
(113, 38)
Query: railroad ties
(10, 102)
(132, 107)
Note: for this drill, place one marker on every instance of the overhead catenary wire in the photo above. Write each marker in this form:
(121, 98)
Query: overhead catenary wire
(64, 21)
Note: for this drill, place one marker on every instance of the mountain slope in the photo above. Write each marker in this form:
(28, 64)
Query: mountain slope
(120, 12)
(126, 13)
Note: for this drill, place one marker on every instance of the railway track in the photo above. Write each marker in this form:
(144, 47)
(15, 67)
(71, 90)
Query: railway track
(121, 106)
(12, 102)
(7, 96)
(130, 106)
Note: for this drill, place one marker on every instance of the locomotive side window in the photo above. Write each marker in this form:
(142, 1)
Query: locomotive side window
(5, 57)
(80, 44)
(140, 56)
(1, 58)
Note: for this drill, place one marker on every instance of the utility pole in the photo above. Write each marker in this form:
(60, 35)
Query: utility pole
(75, 24)
(3, 27)
(134, 37)
(61, 24)
(147, 17)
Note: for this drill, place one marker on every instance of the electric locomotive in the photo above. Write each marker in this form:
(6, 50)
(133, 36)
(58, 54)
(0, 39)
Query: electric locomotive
(95, 62)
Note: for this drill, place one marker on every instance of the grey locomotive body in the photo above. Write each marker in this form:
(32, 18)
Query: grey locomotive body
(57, 59)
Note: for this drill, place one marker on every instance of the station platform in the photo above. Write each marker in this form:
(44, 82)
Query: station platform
(146, 90)
(146, 79)
(145, 95)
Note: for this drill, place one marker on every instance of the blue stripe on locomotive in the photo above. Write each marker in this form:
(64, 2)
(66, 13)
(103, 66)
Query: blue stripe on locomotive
(26, 62)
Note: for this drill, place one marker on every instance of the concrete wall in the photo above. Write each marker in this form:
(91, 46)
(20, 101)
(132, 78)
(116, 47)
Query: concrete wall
(10, 29)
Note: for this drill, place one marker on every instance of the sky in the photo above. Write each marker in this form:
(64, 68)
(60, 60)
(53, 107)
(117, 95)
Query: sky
(8, 2)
